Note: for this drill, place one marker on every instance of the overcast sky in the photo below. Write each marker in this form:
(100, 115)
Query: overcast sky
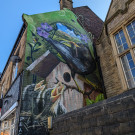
(11, 18)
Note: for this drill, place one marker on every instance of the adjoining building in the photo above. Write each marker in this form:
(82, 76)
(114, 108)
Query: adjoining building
(51, 70)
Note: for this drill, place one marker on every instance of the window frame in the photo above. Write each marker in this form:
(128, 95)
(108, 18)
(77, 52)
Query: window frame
(118, 55)
(128, 33)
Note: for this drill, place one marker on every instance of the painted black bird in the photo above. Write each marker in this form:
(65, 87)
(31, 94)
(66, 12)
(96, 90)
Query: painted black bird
(79, 59)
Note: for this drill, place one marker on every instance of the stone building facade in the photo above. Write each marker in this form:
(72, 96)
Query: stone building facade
(120, 16)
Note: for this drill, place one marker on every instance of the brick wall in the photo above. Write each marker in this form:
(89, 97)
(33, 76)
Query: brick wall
(22, 45)
(7, 76)
(114, 116)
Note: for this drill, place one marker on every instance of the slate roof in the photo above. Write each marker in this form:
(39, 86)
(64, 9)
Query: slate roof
(91, 22)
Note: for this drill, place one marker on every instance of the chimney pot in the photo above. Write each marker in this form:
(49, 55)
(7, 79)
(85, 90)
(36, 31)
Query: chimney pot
(66, 4)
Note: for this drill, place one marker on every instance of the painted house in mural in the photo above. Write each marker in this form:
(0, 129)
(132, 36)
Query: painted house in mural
(53, 69)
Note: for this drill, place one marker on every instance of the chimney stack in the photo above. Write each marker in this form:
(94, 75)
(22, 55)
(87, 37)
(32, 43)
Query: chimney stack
(66, 4)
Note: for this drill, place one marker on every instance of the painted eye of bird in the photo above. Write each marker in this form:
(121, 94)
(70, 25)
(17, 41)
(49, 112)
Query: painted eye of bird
(67, 77)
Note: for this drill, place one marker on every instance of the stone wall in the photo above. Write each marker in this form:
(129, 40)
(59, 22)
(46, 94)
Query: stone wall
(123, 11)
(114, 116)
(108, 66)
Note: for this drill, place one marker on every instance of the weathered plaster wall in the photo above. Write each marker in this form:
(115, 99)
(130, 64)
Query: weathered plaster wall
(114, 116)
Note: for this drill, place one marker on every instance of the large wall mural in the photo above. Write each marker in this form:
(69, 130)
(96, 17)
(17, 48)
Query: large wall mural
(60, 72)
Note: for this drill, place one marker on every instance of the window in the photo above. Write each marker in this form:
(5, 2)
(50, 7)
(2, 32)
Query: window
(121, 41)
(5, 128)
(2, 89)
(15, 70)
(8, 126)
(129, 69)
(125, 46)
(131, 32)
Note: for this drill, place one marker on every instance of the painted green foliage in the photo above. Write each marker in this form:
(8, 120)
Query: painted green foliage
(65, 17)
(100, 97)
(68, 20)
(56, 40)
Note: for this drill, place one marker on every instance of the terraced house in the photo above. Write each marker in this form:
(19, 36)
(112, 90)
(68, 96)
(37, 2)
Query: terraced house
(63, 64)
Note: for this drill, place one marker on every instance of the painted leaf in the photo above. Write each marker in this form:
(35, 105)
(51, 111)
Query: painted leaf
(99, 97)
(89, 102)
